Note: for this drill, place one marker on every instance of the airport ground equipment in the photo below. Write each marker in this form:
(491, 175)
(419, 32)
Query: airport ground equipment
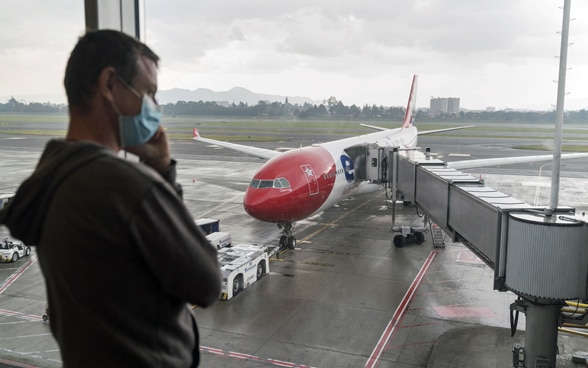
(537, 253)
(241, 266)
(211, 227)
(11, 251)
(437, 235)
(4, 199)
(408, 235)
(208, 225)
(46, 314)
(220, 239)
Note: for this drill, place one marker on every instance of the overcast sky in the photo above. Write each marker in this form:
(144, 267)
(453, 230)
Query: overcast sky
(499, 53)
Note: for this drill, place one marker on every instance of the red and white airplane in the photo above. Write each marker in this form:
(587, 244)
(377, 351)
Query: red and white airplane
(299, 183)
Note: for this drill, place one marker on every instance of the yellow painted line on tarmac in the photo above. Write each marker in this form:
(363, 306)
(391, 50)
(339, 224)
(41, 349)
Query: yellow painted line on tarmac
(325, 227)
(334, 223)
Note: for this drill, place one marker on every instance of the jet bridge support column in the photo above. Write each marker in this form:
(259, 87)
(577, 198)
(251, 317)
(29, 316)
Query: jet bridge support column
(541, 335)
(542, 322)
(392, 181)
(546, 264)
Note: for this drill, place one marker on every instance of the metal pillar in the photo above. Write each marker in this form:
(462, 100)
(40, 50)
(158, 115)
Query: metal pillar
(541, 335)
(393, 182)
(561, 92)
(121, 15)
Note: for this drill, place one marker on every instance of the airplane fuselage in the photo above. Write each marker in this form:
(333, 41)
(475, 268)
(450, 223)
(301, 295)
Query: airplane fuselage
(302, 182)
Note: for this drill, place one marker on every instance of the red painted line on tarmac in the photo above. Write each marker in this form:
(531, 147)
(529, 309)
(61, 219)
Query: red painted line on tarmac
(248, 357)
(374, 359)
(16, 364)
(7, 312)
(463, 312)
(12, 278)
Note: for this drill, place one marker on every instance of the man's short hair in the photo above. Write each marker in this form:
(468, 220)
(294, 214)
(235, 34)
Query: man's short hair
(96, 51)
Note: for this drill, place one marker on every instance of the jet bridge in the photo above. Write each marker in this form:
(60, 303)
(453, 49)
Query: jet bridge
(538, 255)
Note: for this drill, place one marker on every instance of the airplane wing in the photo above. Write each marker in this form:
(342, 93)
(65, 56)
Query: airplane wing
(374, 127)
(470, 164)
(423, 132)
(254, 151)
(444, 130)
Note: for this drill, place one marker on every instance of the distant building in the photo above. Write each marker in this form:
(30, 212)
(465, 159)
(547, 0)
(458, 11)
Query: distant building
(440, 105)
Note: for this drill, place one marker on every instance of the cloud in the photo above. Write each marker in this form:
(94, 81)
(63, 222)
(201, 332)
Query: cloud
(487, 52)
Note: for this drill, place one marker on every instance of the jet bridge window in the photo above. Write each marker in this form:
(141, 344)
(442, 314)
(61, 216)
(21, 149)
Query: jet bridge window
(276, 183)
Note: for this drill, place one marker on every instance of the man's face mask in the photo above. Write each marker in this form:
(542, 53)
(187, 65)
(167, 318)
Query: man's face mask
(138, 129)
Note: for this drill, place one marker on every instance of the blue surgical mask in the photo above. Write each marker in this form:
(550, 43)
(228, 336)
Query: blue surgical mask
(138, 129)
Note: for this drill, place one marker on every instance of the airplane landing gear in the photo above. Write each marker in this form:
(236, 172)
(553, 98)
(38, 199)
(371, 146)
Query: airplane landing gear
(287, 240)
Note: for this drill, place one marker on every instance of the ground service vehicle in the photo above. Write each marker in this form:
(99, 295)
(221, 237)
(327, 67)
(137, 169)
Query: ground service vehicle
(4, 199)
(11, 251)
(219, 239)
(241, 265)
(211, 227)
(208, 225)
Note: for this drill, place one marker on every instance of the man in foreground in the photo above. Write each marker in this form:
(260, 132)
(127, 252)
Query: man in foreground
(120, 253)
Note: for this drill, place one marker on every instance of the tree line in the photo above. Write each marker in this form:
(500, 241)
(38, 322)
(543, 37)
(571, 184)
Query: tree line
(330, 109)
(32, 107)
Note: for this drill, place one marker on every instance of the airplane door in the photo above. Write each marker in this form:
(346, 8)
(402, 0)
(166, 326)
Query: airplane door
(313, 185)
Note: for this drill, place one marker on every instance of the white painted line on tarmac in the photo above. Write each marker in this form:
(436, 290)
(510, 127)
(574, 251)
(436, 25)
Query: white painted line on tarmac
(253, 358)
(12, 278)
(15, 323)
(24, 336)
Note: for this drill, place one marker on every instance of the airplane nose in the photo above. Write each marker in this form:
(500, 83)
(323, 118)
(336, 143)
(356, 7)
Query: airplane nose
(291, 186)
(258, 204)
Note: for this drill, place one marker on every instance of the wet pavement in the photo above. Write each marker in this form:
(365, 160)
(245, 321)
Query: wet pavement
(345, 297)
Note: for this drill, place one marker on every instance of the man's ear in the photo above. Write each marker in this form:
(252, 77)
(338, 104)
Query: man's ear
(106, 82)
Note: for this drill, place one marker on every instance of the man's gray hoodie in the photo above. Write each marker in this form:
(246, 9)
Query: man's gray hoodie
(120, 254)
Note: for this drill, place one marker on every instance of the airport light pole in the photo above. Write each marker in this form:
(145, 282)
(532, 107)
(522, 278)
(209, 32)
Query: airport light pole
(559, 113)
(543, 316)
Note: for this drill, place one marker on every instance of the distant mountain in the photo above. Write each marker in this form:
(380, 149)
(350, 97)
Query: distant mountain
(234, 95)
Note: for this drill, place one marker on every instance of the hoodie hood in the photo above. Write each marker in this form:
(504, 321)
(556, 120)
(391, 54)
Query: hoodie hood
(25, 213)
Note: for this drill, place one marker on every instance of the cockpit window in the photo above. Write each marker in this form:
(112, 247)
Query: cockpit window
(266, 184)
(276, 183)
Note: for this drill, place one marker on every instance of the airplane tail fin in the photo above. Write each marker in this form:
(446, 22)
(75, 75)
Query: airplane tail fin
(411, 106)
(195, 133)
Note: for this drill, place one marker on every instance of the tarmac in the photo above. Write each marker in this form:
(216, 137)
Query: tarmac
(491, 347)
(345, 297)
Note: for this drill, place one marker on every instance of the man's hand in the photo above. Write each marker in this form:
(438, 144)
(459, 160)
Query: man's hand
(155, 153)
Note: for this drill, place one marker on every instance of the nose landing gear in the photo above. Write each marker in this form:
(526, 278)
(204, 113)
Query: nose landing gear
(287, 240)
